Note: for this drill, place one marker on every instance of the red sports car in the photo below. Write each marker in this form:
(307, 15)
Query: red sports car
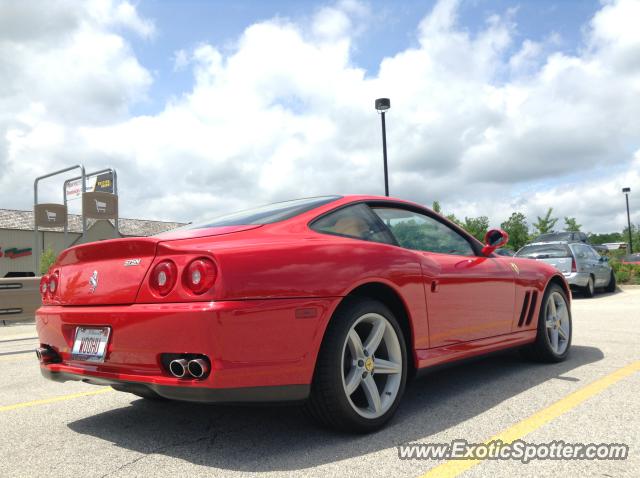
(334, 301)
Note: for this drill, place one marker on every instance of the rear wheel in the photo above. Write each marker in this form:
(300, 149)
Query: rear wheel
(590, 289)
(553, 339)
(611, 286)
(361, 370)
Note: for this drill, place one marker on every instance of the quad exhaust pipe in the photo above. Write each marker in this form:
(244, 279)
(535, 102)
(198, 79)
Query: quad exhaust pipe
(183, 368)
(47, 355)
(198, 368)
(178, 368)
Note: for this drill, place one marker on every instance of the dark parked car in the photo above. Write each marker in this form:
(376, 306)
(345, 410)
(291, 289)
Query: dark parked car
(562, 236)
(631, 259)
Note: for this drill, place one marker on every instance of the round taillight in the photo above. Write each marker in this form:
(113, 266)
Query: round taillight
(44, 285)
(199, 276)
(163, 277)
(53, 283)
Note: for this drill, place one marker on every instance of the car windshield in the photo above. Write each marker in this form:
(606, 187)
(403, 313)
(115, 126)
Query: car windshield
(544, 251)
(265, 214)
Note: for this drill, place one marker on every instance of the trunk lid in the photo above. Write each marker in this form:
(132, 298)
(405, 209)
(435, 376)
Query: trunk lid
(105, 272)
(563, 264)
(111, 272)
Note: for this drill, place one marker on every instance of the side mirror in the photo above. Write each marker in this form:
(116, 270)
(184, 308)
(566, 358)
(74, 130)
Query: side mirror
(604, 259)
(493, 239)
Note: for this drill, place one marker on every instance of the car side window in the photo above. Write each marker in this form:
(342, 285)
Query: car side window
(423, 233)
(579, 252)
(357, 221)
(593, 253)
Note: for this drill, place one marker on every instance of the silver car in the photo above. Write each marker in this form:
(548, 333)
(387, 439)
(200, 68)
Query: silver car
(581, 265)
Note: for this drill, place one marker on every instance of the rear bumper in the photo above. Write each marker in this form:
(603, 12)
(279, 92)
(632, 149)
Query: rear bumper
(577, 279)
(276, 393)
(260, 350)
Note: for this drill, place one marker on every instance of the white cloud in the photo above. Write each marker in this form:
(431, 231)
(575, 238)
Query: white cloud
(482, 122)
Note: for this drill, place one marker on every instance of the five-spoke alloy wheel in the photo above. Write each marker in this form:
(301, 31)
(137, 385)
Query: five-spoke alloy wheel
(558, 323)
(372, 369)
(361, 369)
(553, 339)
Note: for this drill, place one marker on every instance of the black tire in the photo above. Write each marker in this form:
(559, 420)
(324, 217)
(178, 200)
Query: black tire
(590, 289)
(328, 403)
(611, 286)
(541, 350)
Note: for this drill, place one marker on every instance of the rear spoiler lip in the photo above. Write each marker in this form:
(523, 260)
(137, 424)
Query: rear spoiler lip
(71, 255)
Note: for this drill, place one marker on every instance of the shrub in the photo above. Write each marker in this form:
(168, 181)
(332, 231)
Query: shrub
(626, 273)
(47, 259)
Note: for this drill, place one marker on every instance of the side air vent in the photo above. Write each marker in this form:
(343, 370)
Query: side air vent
(525, 308)
(532, 307)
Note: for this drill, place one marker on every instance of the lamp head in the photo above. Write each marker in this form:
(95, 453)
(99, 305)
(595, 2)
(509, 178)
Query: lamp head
(383, 104)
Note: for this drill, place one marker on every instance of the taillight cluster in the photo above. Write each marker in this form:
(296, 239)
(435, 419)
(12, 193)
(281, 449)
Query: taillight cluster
(49, 285)
(197, 277)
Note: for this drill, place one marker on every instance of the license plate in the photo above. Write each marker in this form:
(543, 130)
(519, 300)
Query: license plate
(90, 344)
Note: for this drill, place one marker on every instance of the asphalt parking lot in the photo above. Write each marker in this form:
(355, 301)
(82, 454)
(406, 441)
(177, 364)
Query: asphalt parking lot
(75, 429)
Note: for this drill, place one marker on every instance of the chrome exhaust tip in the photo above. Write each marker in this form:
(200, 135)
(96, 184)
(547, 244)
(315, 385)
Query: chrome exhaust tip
(47, 355)
(178, 368)
(198, 368)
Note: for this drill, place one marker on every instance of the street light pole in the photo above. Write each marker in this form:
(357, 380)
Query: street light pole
(626, 192)
(382, 105)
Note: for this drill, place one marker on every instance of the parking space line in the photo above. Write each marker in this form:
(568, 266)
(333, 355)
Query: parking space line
(60, 398)
(17, 352)
(15, 358)
(454, 468)
(18, 340)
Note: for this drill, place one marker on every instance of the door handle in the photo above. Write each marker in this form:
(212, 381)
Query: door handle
(434, 286)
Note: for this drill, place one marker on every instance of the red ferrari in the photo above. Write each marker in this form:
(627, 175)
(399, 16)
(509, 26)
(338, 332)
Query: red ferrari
(334, 301)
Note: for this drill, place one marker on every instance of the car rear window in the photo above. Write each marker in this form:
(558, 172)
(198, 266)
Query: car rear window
(265, 214)
(545, 251)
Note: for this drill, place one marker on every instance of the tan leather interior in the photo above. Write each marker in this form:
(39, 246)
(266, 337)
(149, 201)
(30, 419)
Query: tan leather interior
(351, 226)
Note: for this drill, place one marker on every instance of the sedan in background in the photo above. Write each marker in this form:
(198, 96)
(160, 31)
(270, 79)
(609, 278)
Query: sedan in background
(582, 267)
(631, 259)
(505, 252)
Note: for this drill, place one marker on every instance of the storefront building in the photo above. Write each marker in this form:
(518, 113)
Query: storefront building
(16, 237)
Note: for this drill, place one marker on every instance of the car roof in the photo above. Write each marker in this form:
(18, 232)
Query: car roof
(566, 243)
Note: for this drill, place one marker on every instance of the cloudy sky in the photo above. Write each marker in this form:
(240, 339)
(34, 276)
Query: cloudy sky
(206, 107)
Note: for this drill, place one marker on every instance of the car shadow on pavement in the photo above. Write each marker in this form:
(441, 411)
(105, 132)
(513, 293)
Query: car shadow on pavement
(600, 294)
(280, 438)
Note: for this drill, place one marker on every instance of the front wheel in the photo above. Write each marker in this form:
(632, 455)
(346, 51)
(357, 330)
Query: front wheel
(555, 328)
(361, 370)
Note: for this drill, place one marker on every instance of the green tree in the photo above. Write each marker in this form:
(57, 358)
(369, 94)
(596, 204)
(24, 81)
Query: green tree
(635, 236)
(436, 207)
(454, 219)
(605, 237)
(545, 224)
(518, 229)
(571, 224)
(47, 259)
(476, 226)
